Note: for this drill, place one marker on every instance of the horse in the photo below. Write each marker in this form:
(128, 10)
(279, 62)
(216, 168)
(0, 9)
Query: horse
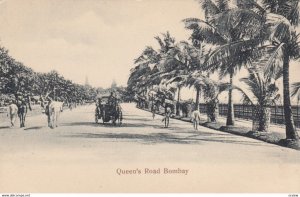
(53, 110)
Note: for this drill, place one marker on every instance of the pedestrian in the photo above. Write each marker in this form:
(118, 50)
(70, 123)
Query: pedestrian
(195, 116)
(12, 112)
(47, 111)
(22, 111)
(153, 110)
(166, 119)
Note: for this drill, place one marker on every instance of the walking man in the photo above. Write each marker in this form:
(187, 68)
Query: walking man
(13, 112)
(22, 111)
(166, 119)
(195, 118)
(153, 110)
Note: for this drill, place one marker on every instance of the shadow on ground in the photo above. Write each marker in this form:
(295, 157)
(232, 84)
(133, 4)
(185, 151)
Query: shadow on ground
(4, 127)
(155, 138)
(92, 124)
(33, 128)
(109, 124)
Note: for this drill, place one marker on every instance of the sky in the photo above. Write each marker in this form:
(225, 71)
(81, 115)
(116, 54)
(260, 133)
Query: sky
(98, 39)
(94, 38)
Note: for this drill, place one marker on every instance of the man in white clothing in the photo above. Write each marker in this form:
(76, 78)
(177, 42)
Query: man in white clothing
(195, 118)
(13, 112)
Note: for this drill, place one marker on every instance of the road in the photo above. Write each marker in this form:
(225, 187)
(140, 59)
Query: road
(81, 156)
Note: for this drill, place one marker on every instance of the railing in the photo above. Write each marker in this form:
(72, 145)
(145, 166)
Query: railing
(246, 112)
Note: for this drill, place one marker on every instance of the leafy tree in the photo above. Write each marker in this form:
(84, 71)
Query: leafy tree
(261, 93)
(280, 18)
(236, 32)
(283, 17)
(296, 90)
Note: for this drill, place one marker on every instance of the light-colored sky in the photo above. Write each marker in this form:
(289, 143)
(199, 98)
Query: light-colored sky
(94, 38)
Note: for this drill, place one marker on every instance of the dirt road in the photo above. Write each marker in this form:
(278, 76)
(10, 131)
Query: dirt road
(139, 156)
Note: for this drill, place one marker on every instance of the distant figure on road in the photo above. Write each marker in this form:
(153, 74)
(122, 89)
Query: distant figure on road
(12, 112)
(98, 110)
(112, 99)
(70, 106)
(195, 116)
(53, 110)
(22, 111)
(153, 110)
(166, 119)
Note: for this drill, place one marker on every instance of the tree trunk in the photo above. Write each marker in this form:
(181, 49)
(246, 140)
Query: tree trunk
(212, 110)
(261, 118)
(178, 102)
(197, 98)
(230, 110)
(291, 132)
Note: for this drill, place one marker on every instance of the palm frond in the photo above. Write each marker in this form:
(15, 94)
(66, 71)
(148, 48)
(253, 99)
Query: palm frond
(203, 30)
(273, 67)
(209, 7)
(287, 8)
(279, 26)
(227, 56)
(180, 80)
(224, 87)
(250, 4)
(223, 5)
(160, 42)
(246, 99)
(296, 90)
(238, 23)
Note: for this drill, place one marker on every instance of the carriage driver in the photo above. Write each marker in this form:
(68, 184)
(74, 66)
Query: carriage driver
(98, 106)
(112, 100)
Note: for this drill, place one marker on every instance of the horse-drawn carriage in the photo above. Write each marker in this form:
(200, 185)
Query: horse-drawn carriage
(108, 109)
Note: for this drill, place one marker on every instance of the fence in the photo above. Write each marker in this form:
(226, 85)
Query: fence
(246, 112)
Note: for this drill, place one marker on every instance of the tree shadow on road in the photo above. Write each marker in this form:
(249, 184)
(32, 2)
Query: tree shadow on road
(4, 127)
(143, 125)
(156, 138)
(79, 124)
(109, 124)
(137, 119)
(197, 132)
(143, 138)
(91, 124)
(33, 128)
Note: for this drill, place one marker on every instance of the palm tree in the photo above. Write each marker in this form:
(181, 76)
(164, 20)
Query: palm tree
(236, 32)
(280, 17)
(261, 93)
(136, 80)
(196, 80)
(152, 59)
(179, 78)
(283, 17)
(181, 60)
(191, 80)
(166, 42)
(296, 90)
(211, 92)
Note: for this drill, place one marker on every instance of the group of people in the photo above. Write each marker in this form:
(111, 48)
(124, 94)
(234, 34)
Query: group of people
(111, 101)
(195, 116)
(17, 109)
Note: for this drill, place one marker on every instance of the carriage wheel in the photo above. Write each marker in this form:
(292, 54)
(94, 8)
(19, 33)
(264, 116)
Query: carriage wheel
(96, 118)
(114, 120)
